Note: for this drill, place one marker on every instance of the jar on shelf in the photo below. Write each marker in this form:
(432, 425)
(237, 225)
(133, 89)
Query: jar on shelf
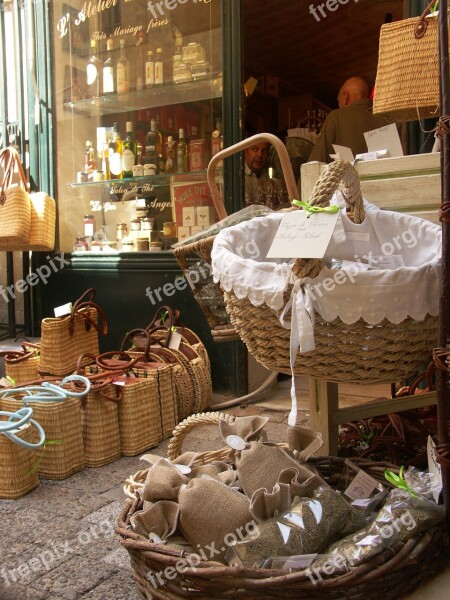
(121, 231)
(200, 70)
(127, 245)
(182, 73)
(88, 225)
(197, 155)
(135, 225)
(147, 223)
(142, 244)
(80, 245)
(193, 52)
(155, 247)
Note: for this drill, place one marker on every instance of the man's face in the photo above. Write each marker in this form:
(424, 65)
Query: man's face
(256, 157)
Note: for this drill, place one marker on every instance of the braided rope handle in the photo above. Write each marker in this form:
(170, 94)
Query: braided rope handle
(183, 428)
(325, 187)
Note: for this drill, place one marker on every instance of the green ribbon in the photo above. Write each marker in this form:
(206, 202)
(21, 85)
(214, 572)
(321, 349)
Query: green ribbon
(46, 443)
(398, 480)
(310, 210)
(434, 7)
(11, 380)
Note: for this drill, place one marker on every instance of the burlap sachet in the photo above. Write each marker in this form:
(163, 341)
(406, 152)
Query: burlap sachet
(302, 481)
(221, 471)
(247, 428)
(303, 442)
(209, 510)
(163, 481)
(259, 466)
(158, 522)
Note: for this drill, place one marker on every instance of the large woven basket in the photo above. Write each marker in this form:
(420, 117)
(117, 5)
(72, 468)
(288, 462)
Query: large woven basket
(407, 82)
(22, 366)
(195, 257)
(18, 474)
(388, 576)
(63, 454)
(357, 352)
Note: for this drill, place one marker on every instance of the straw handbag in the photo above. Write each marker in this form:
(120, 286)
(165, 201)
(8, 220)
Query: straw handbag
(15, 204)
(23, 366)
(40, 235)
(20, 436)
(58, 411)
(407, 82)
(64, 339)
(366, 327)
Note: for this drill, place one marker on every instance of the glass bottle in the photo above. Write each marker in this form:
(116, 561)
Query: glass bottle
(90, 164)
(171, 155)
(129, 155)
(123, 71)
(159, 67)
(115, 154)
(88, 226)
(109, 70)
(94, 72)
(149, 70)
(153, 144)
(182, 153)
(140, 75)
(105, 161)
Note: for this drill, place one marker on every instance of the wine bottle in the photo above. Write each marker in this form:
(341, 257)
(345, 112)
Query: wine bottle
(171, 155)
(140, 79)
(159, 67)
(129, 152)
(149, 70)
(153, 145)
(123, 71)
(182, 153)
(109, 70)
(115, 154)
(94, 72)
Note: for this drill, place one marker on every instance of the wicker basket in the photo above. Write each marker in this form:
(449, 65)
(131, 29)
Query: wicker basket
(140, 416)
(63, 454)
(100, 421)
(387, 576)
(359, 352)
(22, 366)
(18, 474)
(195, 257)
(407, 82)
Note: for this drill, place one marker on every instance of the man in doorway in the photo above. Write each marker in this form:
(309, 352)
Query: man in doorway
(256, 159)
(347, 124)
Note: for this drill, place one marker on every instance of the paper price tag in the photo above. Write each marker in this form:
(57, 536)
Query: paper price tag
(118, 382)
(361, 486)
(300, 236)
(175, 340)
(62, 311)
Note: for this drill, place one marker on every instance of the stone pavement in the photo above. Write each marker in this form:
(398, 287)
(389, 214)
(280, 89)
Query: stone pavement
(58, 542)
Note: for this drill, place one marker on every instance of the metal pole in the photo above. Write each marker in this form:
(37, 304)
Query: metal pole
(442, 376)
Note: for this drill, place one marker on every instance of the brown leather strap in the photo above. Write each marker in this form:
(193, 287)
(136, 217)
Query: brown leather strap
(9, 159)
(155, 322)
(83, 310)
(136, 332)
(421, 26)
(125, 361)
(81, 359)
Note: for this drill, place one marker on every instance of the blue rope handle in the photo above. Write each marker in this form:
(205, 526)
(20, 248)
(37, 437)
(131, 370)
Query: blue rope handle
(49, 392)
(11, 427)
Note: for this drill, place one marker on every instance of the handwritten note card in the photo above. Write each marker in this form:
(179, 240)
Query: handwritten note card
(384, 138)
(299, 236)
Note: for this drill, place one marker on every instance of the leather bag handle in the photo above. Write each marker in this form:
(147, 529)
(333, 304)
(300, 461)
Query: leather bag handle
(421, 26)
(89, 321)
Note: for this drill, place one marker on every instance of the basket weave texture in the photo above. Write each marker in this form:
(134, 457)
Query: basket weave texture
(359, 352)
(18, 475)
(388, 576)
(407, 82)
(61, 422)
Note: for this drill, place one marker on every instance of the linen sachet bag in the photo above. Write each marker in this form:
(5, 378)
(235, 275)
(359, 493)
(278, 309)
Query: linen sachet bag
(259, 463)
(209, 512)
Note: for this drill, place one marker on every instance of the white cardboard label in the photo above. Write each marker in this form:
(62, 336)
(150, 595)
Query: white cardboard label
(361, 486)
(299, 236)
(175, 340)
(62, 311)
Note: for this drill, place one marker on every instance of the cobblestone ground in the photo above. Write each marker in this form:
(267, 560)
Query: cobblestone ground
(58, 542)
